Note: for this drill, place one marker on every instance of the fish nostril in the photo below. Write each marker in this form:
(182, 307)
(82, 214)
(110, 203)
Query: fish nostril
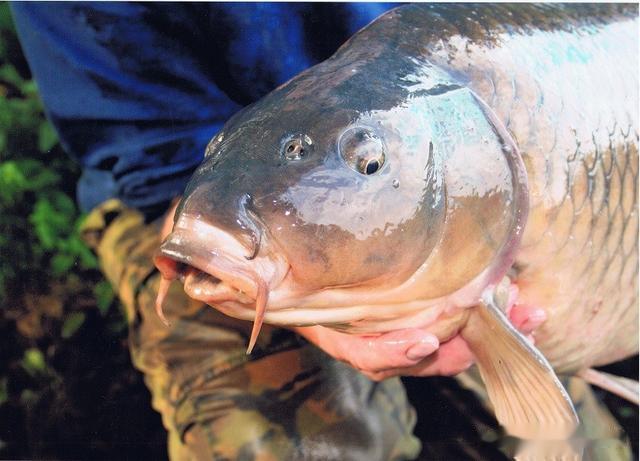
(256, 247)
(247, 220)
(297, 147)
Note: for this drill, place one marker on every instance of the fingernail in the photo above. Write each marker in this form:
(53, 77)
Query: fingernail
(424, 348)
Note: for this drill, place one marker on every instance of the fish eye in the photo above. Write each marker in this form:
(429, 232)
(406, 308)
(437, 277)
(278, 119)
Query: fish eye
(297, 147)
(362, 150)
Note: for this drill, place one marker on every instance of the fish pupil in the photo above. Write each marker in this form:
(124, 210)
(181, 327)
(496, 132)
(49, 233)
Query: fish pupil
(372, 167)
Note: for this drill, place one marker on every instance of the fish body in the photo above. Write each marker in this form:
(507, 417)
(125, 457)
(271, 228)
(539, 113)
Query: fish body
(569, 97)
(442, 148)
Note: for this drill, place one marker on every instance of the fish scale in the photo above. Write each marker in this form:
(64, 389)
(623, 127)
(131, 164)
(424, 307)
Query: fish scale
(580, 248)
(586, 232)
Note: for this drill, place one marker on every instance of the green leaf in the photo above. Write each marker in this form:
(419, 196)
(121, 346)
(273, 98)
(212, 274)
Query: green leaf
(33, 361)
(34, 175)
(61, 263)
(5, 18)
(3, 142)
(66, 205)
(40, 176)
(72, 324)
(12, 182)
(4, 391)
(45, 221)
(104, 296)
(53, 218)
(87, 259)
(30, 88)
(47, 137)
(8, 73)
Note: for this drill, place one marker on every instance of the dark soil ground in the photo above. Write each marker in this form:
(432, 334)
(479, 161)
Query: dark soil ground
(91, 404)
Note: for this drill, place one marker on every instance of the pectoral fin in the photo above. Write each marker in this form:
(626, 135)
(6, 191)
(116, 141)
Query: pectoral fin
(618, 385)
(528, 399)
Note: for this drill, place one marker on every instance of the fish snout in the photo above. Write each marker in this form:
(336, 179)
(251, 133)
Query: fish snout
(215, 269)
(230, 211)
(197, 247)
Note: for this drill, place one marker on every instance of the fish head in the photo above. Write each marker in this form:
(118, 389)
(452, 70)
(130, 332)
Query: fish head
(337, 192)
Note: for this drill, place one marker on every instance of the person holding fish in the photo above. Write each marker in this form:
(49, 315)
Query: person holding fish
(322, 207)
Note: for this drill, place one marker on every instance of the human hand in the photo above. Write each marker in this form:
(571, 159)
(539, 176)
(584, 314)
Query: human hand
(412, 352)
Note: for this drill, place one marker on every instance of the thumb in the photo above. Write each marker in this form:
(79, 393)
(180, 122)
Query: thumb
(396, 349)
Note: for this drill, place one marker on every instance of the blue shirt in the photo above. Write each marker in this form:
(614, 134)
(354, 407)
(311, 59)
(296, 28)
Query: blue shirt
(135, 91)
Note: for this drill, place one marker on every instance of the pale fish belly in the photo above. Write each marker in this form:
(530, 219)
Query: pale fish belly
(570, 100)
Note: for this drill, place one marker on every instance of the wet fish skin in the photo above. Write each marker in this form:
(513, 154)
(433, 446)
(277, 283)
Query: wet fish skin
(578, 255)
(569, 97)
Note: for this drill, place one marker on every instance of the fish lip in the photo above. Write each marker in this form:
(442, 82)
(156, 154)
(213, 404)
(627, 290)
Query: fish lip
(234, 279)
(225, 270)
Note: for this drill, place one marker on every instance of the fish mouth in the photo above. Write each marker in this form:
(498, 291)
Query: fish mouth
(204, 281)
(214, 268)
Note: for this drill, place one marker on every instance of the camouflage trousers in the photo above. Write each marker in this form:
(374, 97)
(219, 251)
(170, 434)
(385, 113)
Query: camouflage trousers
(287, 400)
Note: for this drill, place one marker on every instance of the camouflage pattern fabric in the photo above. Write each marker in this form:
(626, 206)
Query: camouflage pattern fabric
(288, 400)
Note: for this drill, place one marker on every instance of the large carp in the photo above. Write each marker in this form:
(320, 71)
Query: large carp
(438, 151)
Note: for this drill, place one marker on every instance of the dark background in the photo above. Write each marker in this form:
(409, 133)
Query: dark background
(67, 386)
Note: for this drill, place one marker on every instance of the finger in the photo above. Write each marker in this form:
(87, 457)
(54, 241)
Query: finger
(527, 318)
(452, 357)
(397, 349)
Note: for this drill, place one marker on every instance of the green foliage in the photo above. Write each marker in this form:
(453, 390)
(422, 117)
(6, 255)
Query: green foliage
(72, 323)
(47, 137)
(51, 292)
(104, 296)
(50, 219)
(24, 175)
(12, 182)
(39, 220)
(33, 362)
